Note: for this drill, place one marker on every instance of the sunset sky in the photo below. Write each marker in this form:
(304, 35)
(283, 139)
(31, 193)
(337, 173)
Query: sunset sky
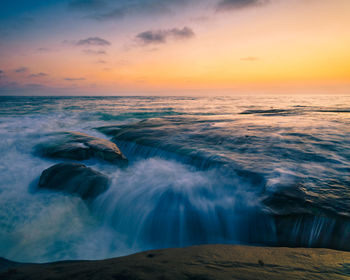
(170, 47)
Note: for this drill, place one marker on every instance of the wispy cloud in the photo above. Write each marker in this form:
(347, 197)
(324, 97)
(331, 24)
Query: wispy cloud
(43, 49)
(88, 42)
(9, 88)
(91, 45)
(200, 19)
(116, 13)
(93, 41)
(21, 70)
(74, 79)
(226, 5)
(87, 4)
(94, 52)
(161, 36)
(103, 10)
(38, 75)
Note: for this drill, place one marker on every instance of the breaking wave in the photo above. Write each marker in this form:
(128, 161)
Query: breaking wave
(264, 171)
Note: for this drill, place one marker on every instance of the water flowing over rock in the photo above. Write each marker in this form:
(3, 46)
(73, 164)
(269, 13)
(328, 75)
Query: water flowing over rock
(74, 178)
(200, 172)
(301, 223)
(80, 146)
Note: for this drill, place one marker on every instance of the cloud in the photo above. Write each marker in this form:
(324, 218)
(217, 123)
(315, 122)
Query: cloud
(161, 36)
(104, 10)
(38, 75)
(7, 84)
(112, 9)
(21, 70)
(35, 86)
(114, 14)
(93, 41)
(1, 72)
(149, 37)
(250, 58)
(183, 33)
(95, 52)
(93, 45)
(14, 88)
(226, 5)
(43, 49)
(87, 4)
(200, 19)
(74, 79)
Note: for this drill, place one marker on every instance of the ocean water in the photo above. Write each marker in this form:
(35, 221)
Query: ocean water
(271, 170)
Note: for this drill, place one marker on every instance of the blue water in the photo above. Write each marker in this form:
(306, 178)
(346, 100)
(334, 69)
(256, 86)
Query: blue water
(272, 170)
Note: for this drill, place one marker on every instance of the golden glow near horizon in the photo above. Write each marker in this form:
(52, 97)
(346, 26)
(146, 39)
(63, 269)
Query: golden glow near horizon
(283, 46)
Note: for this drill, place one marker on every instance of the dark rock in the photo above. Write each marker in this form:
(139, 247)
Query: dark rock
(289, 200)
(74, 178)
(299, 221)
(110, 130)
(9, 266)
(304, 230)
(80, 146)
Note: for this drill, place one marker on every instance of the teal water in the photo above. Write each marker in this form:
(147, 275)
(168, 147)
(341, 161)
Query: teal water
(271, 170)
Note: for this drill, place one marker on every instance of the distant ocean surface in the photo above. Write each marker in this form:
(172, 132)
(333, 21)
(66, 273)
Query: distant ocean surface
(272, 170)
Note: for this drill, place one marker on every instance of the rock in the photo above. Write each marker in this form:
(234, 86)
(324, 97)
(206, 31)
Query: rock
(80, 146)
(74, 178)
(301, 221)
(205, 262)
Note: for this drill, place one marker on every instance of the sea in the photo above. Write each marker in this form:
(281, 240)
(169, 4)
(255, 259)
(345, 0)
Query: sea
(261, 170)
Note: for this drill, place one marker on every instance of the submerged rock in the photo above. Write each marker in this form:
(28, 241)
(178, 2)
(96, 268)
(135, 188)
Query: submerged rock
(80, 146)
(74, 178)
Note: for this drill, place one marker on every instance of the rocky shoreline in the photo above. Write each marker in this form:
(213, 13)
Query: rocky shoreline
(203, 262)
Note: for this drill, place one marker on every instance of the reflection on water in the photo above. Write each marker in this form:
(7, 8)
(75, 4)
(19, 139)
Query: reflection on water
(269, 170)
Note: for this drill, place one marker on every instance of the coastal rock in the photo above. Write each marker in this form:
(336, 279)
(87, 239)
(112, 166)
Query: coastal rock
(319, 231)
(80, 146)
(74, 178)
(300, 222)
(205, 262)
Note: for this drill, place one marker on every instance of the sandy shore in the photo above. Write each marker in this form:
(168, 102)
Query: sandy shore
(196, 263)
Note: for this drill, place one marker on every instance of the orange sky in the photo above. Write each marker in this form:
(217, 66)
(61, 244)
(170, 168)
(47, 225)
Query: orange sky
(282, 46)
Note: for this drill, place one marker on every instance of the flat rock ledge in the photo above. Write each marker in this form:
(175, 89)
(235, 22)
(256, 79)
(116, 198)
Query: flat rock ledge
(74, 178)
(80, 146)
(206, 262)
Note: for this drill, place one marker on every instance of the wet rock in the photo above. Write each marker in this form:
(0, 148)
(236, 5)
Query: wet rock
(313, 231)
(80, 146)
(301, 222)
(289, 200)
(74, 178)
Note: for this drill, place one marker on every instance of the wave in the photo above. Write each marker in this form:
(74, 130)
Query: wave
(298, 110)
(294, 220)
(159, 203)
(272, 112)
(199, 172)
(129, 115)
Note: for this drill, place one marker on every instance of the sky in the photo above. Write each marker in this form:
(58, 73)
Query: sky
(174, 47)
